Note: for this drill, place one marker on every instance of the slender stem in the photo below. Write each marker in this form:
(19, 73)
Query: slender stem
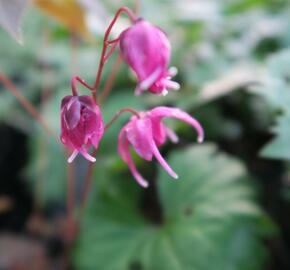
(109, 82)
(76, 79)
(70, 167)
(88, 179)
(105, 42)
(70, 191)
(103, 58)
(26, 104)
(117, 115)
(112, 49)
(87, 186)
(116, 40)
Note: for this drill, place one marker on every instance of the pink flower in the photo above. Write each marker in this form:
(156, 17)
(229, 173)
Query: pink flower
(81, 125)
(147, 132)
(146, 50)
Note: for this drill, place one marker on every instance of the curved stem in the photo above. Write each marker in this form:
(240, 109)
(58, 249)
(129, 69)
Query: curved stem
(70, 191)
(116, 40)
(117, 115)
(105, 42)
(107, 88)
(76, 79)
(86, 188)
(88, 179)
(112, 49)
(26, 104)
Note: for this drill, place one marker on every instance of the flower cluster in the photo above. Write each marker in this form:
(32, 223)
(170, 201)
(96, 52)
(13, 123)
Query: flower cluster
(146, 50)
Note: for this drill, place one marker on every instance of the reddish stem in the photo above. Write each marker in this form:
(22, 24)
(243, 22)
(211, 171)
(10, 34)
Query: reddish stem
(70, 191)
(26, 104)
(87, 186)
(117, 115)
(76, 79)
(88, 179)
(116, 40)
(105, 42)
(112, 49)
(107, 88)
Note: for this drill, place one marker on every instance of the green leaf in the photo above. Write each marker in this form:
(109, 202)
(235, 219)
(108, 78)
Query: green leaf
(279, 147)
(275, 90)
(208, 219)
(47, 166)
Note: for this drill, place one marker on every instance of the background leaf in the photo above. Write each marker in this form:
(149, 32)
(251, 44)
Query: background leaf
(11, 13)
(67, 12)
(275, 89)
(201, 216)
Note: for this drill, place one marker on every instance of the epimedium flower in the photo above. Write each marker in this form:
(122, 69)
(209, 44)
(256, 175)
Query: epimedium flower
(81, 125)
(146, 132)
(146, 49)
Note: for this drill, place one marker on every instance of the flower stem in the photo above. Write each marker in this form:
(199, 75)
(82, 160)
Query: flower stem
(76, 79)
(87, 187)
(70, 191)
(88, 179)
(105, 42)
(107, 88)
(26, 104)
(117, 115)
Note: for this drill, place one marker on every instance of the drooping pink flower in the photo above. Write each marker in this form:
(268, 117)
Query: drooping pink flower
(81, 125)
(147, 132)
(146, 49)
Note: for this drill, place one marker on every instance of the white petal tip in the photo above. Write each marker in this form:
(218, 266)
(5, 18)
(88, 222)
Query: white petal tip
(177, 87)
(175, 176)
(145, 185)
(173, 71)
(200, 140)
(142, 182)
(87, 156)
(164, 93)
(72, 157)
(171, 85)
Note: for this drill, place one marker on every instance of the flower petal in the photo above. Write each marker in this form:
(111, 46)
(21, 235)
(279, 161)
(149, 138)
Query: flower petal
(72, 156)
(123, 147)
(144, 85)
(139, 133)
(161, 112)
(72, 114)
(171, 135)
(87, 155)
(162, 161)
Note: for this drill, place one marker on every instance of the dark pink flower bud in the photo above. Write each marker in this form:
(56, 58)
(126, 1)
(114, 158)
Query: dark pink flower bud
(146, 49)
(81, 125)
(147, 132)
